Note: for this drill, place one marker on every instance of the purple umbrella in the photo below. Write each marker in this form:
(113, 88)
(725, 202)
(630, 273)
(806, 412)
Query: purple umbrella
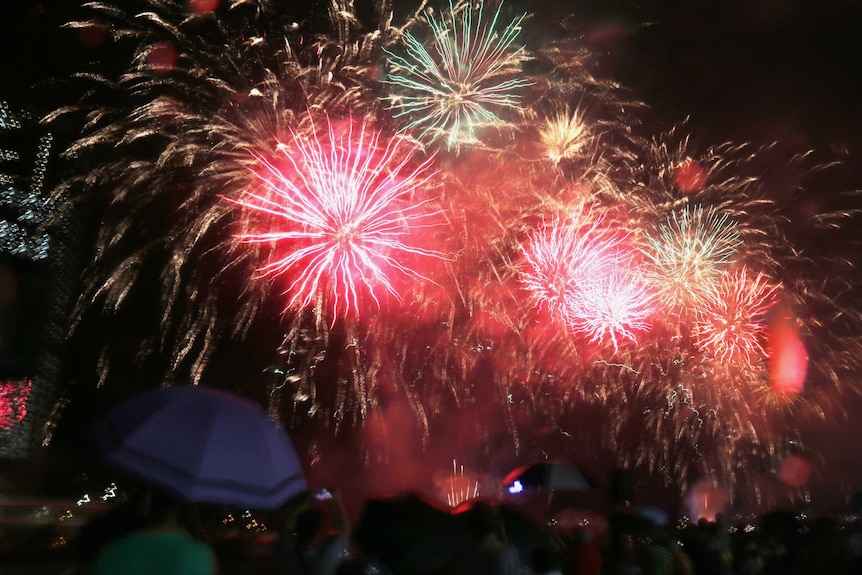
(201, 445)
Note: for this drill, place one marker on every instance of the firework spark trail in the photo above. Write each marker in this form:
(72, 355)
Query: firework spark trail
(564, 135)
(461, 82)
(688, 254)
(612, 304)
(338, 208)
(564, 254)
(731, 320)
(180, 141)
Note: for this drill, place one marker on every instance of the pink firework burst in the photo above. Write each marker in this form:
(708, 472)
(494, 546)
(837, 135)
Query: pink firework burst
(341, 212)
(612, 305)
(580, 271)
(731, 322)
(562, 254)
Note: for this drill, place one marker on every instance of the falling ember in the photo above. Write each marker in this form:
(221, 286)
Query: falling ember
(731, 321)
(788, 360)
(341, 213)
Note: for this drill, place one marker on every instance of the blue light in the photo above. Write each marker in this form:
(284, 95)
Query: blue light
(516, 487)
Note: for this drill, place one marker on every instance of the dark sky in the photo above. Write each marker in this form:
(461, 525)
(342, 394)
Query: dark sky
(741, 70)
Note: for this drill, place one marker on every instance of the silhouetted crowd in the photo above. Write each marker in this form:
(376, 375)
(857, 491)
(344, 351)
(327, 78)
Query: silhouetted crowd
(406, 535)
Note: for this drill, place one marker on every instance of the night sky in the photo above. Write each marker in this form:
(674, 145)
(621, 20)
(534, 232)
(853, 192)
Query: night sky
(739, 70)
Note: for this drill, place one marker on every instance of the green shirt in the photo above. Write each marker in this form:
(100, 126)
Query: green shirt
(151, 553)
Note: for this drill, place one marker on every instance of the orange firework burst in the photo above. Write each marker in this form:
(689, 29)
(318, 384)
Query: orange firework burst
(731, 324)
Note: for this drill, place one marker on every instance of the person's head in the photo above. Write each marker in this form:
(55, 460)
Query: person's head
(308, 525)
(360, 566)
(483, 519)
(542, 559)
(578, 536)
(160, 508)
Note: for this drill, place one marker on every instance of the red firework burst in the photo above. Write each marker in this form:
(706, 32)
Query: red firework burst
(581, 272)
(731, 324)
(614, 304)
(562, 254)
(342, 208)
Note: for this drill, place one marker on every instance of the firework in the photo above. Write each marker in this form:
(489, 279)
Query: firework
(337, 207)
(578, 269)
(561, 257)
(689, 253)
(615, 304)
(731, 321)
(181, 140)
(657, 262)
(563, 135)
(458, 486)
(463, 80)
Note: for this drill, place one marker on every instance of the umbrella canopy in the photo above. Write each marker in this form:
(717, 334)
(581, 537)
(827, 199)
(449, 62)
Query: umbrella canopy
(201, 445)
(547, 476)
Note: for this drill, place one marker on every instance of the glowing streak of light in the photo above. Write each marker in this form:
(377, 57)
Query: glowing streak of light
(614, 305)
(559, 256)
(689, 253)
(563, 135)
(578, 270)
(461, 487)
(344, 208)
(731, 324)
(620, 365)
(462, 80)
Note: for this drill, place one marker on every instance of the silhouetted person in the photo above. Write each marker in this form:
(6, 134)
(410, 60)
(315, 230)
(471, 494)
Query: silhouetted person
(489, 553)
(105, 528)
(163, 544)
(543, 561)
(309, 546)
(583, 556)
